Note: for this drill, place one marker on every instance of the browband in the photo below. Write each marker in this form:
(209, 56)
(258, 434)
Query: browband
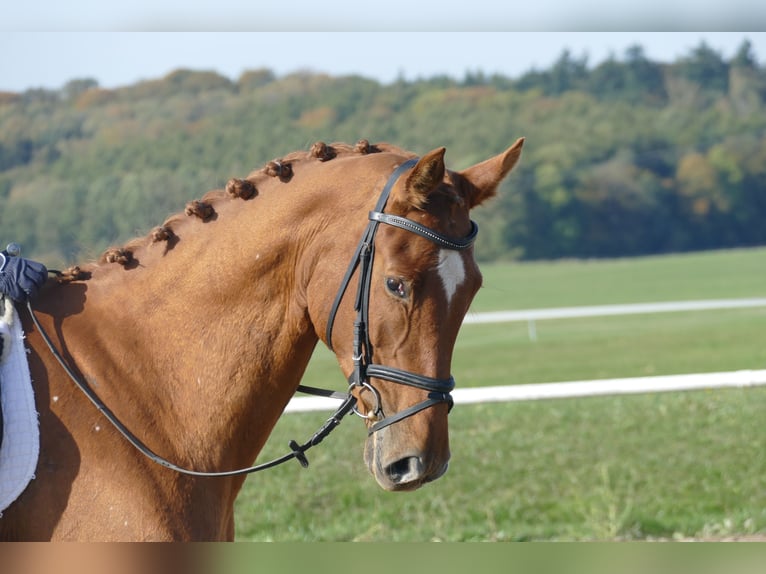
(427, 232)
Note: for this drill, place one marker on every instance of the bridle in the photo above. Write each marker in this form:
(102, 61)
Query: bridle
(364, 369)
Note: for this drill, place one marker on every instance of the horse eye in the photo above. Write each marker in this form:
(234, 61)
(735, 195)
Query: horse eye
(396, 286)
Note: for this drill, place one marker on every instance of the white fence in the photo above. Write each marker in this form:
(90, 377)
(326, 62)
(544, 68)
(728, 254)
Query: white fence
(604, 310)
(570, 389)
(531, 316)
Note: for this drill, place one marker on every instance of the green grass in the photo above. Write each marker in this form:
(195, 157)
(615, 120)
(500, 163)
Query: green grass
(607, 347)
(711, 275)
(689, 464)
(606, 468)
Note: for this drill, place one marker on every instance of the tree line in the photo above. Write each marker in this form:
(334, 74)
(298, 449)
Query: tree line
(628, 157)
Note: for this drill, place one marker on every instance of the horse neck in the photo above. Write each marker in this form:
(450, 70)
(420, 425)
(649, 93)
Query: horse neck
(208, 340)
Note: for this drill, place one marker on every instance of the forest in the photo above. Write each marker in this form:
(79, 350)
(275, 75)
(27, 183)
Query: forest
(628, 157)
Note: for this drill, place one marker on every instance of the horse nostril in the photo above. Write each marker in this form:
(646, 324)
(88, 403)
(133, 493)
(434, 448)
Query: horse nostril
(405, 470)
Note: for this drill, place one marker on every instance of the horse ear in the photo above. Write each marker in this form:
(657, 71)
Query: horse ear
(484, 177)
(427, 174)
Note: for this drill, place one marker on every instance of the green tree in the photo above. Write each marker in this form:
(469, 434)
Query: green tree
(630, 157)
(74, 88)
(745, 58)
(706, 68)
(567, 73)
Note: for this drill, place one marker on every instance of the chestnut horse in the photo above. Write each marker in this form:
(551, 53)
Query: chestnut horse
(196, 336)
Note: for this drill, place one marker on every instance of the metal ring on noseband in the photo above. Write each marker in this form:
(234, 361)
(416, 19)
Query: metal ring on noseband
(438, 389)
(372, 413)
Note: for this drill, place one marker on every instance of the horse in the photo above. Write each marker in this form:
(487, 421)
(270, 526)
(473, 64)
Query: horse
(187, 343)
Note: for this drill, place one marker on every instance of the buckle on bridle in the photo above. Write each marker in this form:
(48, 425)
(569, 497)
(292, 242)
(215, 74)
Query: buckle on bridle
(376, 412)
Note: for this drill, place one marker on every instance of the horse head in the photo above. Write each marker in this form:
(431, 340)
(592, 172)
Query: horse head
(414, 277)
(232, 296)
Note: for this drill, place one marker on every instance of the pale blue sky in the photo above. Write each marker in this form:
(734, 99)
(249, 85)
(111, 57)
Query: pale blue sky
(45, 43)
(36, 59)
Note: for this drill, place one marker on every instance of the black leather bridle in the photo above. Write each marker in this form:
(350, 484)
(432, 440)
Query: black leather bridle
(364, 369)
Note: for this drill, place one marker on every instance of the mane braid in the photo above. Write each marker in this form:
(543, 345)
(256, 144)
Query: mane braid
(201, 209)
(162, 233)
(73, 273)
(322, 151)
(236, 188)
(119, 255)
(242, 188)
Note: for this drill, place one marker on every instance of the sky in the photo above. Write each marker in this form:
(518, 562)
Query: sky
(113, 59)
(46, 43)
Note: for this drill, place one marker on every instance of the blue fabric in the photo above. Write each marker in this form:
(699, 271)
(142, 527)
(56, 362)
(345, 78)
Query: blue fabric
(20, 278)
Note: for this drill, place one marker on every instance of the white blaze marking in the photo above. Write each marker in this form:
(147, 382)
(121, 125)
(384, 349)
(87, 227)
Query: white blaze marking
(451, 270)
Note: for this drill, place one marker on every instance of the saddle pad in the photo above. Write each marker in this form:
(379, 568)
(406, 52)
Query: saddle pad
(21, 434)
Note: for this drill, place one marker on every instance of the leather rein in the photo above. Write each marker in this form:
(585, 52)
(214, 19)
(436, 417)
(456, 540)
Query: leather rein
(364, 369)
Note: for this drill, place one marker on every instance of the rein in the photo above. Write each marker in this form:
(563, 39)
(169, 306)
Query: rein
(298, 451)
(438, 389)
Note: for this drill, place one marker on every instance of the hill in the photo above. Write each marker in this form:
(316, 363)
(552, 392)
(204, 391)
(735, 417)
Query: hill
(629, 157)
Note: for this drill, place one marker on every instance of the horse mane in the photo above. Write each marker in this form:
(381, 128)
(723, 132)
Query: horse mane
(244, 189)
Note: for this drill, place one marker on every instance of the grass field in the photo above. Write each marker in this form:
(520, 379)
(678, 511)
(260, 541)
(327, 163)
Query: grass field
(633, 467)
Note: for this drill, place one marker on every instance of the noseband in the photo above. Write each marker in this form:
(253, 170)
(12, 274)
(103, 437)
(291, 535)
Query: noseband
(364, 368)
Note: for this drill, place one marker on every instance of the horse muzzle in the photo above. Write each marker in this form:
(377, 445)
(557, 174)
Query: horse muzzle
(399, 465)
(406, 473)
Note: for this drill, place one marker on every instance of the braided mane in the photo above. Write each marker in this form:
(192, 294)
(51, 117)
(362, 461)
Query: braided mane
(244, 189)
